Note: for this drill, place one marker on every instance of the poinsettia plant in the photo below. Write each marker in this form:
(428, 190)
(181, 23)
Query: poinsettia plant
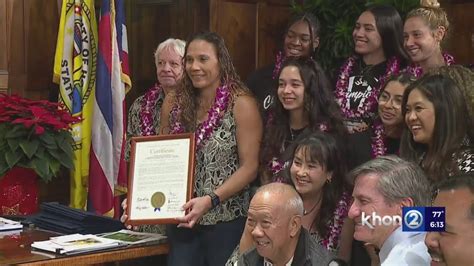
(35, 134)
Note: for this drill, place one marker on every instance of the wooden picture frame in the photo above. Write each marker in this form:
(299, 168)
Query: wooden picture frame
(161, 178)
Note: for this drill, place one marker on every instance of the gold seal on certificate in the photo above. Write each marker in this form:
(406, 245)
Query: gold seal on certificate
(158, 199)
(161, 178)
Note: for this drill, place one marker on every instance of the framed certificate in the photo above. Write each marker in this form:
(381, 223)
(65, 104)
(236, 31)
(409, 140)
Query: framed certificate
(161, 178)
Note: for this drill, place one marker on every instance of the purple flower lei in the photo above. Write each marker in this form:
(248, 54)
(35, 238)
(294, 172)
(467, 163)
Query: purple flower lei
(148, 108)
(393, 67)
(280, 57)
(214, 117)
(379, 146)
(335, 229)
(276, 166)
(416, 70)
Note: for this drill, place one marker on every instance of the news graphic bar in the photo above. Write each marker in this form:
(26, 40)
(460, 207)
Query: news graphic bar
(423, 219)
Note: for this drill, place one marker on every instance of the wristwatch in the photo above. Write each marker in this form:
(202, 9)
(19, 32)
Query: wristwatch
(214, 199)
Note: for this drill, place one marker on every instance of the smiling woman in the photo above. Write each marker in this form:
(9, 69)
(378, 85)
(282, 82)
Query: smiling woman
(305, 103)
(378, 55)
(424, 30)
(388, 126)
(440, 131)
(217, 106)
(301, 39)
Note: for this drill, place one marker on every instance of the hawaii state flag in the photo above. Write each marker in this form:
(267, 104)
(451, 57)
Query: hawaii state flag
(75, 72)
(108, 173)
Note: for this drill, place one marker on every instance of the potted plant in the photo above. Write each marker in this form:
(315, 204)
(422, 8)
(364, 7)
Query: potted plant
(338, 19)
(35, 140)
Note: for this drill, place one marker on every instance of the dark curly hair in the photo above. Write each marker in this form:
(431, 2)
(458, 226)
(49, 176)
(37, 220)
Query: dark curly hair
(186, 95)
(319, 106)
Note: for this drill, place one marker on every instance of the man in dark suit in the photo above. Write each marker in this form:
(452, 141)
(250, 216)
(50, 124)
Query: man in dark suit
(274, 220)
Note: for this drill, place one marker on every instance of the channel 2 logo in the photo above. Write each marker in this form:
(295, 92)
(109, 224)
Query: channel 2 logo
(423, 219)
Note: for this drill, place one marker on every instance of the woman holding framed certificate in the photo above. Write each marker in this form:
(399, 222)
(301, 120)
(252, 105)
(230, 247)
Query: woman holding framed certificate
(214, 104)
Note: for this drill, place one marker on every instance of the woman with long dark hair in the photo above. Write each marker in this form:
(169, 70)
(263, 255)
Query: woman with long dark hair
(378, 54)
(305, 103)
(388, 126)
(440, 129)
(301, 39)
(217, 106)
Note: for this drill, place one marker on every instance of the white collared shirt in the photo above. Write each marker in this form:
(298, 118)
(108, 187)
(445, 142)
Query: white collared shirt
(404, 248)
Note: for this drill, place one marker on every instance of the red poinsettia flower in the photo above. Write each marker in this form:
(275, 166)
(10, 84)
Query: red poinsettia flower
(42, 133)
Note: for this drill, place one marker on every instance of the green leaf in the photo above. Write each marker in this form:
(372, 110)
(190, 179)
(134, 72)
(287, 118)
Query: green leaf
(13, 157)
(48, 138)
(29, 147)
(40, 152)
(60, 156)
(3, 166)
(16, 131)
(13, 143)
(3, 130)
(42, 168)
(54, 167)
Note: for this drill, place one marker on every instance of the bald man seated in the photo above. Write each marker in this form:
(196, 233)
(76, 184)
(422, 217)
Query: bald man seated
(274, 221)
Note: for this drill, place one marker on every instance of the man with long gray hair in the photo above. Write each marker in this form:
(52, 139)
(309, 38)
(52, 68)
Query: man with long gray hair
(382, 187)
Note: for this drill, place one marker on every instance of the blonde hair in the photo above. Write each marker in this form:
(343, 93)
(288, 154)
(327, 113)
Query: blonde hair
(432, 14)
(175, 44)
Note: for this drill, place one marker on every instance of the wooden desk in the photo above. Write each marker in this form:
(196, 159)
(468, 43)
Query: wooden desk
(16, 249)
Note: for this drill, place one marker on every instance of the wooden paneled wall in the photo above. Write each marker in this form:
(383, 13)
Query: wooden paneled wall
(4, 43)
(460, 40)
(150, 22)
(253, 30)
(27, 43)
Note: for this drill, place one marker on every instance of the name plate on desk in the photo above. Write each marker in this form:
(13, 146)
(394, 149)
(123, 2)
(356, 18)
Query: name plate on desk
(161, 178)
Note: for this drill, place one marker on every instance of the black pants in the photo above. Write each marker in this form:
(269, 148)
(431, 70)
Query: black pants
(209, 245)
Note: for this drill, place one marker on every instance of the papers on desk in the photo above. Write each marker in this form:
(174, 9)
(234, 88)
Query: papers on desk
(76, 243)
(133, 238)
(6, 224)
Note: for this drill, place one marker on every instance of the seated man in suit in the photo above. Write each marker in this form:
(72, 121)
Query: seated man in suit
(456, 245)
(382, 187)
(274, 219)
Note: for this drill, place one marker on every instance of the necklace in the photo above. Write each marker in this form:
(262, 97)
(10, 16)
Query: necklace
(214, 117)
(417, 71)
(147, 110)
(280, 57)
(393, 67)
(378, 144)
(294, 133)
(305, 212)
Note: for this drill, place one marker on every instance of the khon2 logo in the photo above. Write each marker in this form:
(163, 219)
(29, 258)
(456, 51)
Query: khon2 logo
(423, 219)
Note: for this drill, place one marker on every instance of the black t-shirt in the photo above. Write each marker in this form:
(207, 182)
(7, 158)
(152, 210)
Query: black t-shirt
(363, 80)
(393, 145)
(263, 86)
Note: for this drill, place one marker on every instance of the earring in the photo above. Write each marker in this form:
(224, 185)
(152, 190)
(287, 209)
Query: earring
(328, 181)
